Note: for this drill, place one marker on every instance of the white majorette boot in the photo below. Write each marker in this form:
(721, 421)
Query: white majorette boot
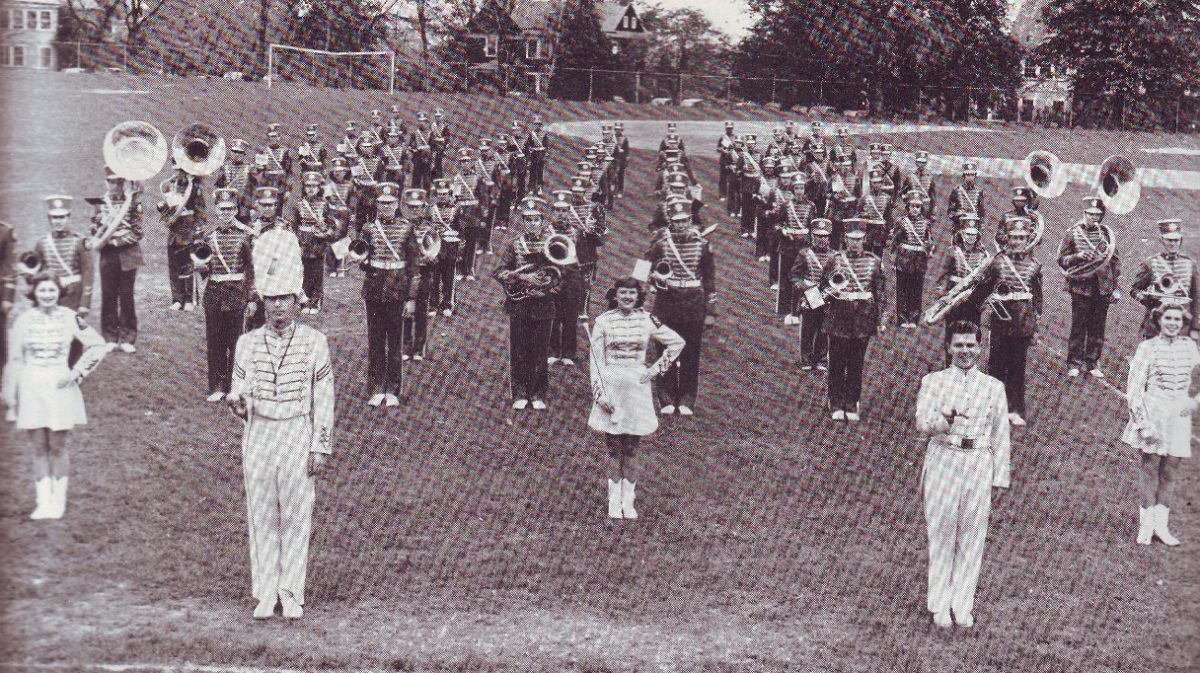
(58, 503)
(614, 500)
(1145, 525)
(44, 489)
(627, 494)
(1160, 525)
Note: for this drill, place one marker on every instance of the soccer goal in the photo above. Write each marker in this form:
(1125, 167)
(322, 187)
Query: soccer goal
(336, 69)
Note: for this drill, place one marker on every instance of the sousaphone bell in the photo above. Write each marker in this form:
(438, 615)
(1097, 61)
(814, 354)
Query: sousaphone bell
(198, 150)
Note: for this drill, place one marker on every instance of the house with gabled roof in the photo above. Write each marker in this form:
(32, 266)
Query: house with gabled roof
(524, 29)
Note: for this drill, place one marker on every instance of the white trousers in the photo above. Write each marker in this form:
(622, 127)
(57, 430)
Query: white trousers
(958, 501)
(279, 503)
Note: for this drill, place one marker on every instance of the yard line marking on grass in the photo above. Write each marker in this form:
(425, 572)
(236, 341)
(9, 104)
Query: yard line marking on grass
(1186, 151)
(118, 92)
(172, 668)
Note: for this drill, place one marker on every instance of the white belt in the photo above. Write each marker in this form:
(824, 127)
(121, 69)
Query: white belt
(471, 202)
(69, 280)
(1013, 296)
(914, 248)
(683, 283)
(855, 296)
(309, 230)
(956, 279)
(387, 264)
(223, 277)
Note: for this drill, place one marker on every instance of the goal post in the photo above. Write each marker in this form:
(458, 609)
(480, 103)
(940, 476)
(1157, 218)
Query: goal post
(340, 69)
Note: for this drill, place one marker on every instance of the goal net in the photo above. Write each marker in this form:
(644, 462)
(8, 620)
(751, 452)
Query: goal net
(334, 69)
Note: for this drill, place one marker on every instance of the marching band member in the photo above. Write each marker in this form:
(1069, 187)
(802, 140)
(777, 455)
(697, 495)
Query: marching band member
(1013, 287)
(805, 277)
(439, 140)
(588, 218)
(921, 181)
(875, 211)
(117, 235)
(267, 210)
(350, 139)
(750, 174)
(791, 233)
(445, 217)
(393, 158)
(64, 254)
(312, 152)
(289, 422)
(966, 197)
(531, 291)
(468, 190)
(815, 137)
(366, 170)
(518, 163)
(766, 211)
(416, 326)
(966, 255)
(726, 163)
(853, 279)
(421, 151)
(536, 145)
(236, 174)
(891, 172)
(912, 235)
(389, 291)
(1092, 290)
(844, 191)
(682, 303)
(181, 211)
(279, 158)
(1169, 277)
(964, 413)
(845, 147)
(816, 168)
(620, 157)
(623, 407)
(229, 295)
(345, 203)
(1160, 416)
(41, 390)
(1022, 200)
(505, 190)
(568, 304)
(313, 222)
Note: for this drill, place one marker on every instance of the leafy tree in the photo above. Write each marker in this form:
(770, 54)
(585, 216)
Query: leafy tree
(580, 45)
(93, 20)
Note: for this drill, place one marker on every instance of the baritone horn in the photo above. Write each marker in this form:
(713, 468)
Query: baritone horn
(135, 150)
(29, 263)
(202, 254)
(357, 251)
(1118, 185)
(430, 245)
(559, 250)
(660, 274)
(198, 150)
(1044, 174)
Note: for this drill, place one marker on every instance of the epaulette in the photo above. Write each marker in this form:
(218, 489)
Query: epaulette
(654, 319)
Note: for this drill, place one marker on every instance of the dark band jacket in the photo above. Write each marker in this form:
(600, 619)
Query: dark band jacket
(853, 310)
(230, 273)
(914, 241)
(1016, 282)
(692, 281)
(390, 264)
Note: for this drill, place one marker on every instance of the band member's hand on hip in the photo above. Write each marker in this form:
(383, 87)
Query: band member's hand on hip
(316, 463)
(604, 404)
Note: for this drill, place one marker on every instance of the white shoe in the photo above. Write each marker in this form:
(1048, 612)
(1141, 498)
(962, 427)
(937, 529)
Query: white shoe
(1016, 420)
(520, 404)
(1073, 372)
(551, 360)
(790, 319)
(390, 400)
(1161, 517)
(583, 317)
(469, 278)
(539, 405)
(266, 608)
(406, 357)
(189, 307)
(685, 410)
(627, 495)
(774, 286)
(128, 348)
(417, 357)
(57, 506)
(567, 362)
(822, 366)
(667, 410)
(908, 325)
(176, 306)
(291, 608)
(458, 276)
(943, 620)
(806, 368)
(1097, 373)
(431, 312)
(376, 400)
(852, 416)
(1146, 518)
(838, 415)
(964, 621)
(215, 396)
(447, 312)
(44, 490)
(614, 500)
(765, 258)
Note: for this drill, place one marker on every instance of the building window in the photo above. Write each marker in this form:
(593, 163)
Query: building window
(18, 56)
(46, 23)
(47, 57)
(18, 19)
(4, 59)
(31, 19)
(3, 20)
(1030, 70)
(490, 46)
(629, 21)
(533, 48)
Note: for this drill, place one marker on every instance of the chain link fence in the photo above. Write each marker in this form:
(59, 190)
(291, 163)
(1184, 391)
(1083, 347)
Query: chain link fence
(955, 103)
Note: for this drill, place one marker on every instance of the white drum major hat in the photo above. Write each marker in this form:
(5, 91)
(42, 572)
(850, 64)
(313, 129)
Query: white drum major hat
(277, 266)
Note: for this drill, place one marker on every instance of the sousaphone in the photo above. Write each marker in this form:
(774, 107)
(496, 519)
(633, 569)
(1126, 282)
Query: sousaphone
(135, 151)
(1118, 185)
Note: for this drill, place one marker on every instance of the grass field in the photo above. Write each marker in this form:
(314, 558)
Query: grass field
(447, 540)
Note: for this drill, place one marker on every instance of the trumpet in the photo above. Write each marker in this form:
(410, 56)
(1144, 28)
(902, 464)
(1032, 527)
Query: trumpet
(29, 263)
(660, 274)
(202, 255)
